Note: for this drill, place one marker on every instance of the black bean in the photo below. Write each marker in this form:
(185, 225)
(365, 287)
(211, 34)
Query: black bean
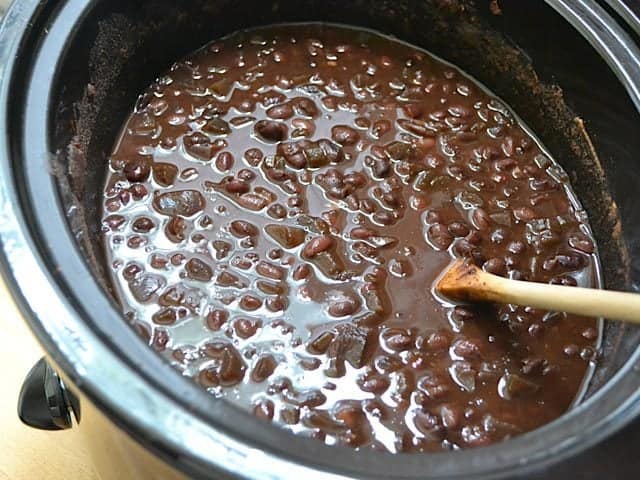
(165, 173)
(375, 384)
(124, 197)
(175, 229)
(460, 111)
(264, 367)
(217, 126)
(227, 370)
(242, 228)
(280, 112)
(513, 386)
(344, 135)
(253, 156)
(568, 261)
(497, 266)
(301, 272)
(136, 241)
(462, 314)
(318, 245)
(458, 229)
(250, 302)
(380, 128)
(524, 214)
(306, 107)
(467, 349)
(165, 316)
(264, 409)
(504, 164)
(432, 217)
(224, 161)
(216, 319)
(277, 211)
(201, 147)
(184, 203)
(480, 219)
(270, 270)
(246, 327)
(533, 366)
(143, 225)
(320, 344)
(137, 169)
(114, 222)
(436, 342)
(343, 306)
(138, 191)
(252, 201)
(498, 236)
(564, 280)
(237, 187)
(198, 270)
(396, 339)
(413, 110)
(541, 184)
(439, 236)
(384, 217)
(590, 333)
(517, 247)
(287, 237)
(144, 286)
(112, 205)
(271, 131)
(581, 242)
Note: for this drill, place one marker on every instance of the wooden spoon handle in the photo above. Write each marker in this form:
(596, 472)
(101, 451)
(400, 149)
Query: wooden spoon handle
(589, 302)
(465, 281)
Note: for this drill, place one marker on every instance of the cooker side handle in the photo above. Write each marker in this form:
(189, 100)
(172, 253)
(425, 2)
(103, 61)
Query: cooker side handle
(44, 402)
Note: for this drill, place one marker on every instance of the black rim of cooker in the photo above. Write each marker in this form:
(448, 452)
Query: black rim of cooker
(85, 336)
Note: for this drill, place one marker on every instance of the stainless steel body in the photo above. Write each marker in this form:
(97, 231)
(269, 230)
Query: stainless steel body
(56, 133)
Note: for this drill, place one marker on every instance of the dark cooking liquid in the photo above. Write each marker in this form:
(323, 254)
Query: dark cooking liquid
(279, 206)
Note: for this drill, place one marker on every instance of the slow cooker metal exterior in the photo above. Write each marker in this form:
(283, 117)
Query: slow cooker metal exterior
(71, 69)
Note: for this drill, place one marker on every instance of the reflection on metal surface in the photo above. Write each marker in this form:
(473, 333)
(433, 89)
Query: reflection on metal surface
(629, 10)
(608, 38)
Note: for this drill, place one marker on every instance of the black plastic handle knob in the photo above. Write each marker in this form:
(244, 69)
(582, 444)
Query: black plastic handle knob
(44, 403)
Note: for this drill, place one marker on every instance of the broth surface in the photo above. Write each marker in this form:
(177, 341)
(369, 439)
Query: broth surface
(278, 207)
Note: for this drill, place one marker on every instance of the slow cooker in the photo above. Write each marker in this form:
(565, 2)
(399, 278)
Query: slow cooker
(70, 72)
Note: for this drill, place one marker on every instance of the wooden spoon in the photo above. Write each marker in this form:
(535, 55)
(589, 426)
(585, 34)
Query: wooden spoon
(464, 281)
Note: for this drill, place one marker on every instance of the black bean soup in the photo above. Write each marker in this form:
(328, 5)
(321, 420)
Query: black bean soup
(278, 207)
